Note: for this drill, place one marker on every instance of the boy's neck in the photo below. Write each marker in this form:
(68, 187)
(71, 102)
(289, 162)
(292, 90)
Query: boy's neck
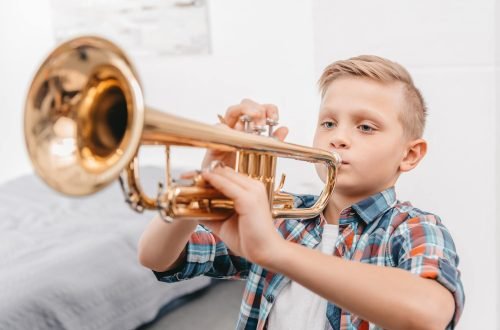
(334, 208)
(339, 202)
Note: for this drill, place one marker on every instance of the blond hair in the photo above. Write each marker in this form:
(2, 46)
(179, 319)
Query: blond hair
(385, 71)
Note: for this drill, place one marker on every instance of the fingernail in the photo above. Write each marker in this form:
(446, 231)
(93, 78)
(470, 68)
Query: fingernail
(221, 119)
(216, 163)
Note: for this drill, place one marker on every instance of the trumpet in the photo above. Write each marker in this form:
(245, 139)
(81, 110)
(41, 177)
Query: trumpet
(85, 120)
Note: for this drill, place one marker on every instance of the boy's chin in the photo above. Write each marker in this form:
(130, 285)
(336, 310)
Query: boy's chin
(350, 189)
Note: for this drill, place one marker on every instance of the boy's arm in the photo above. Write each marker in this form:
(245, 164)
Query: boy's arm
(175, 251)
(389, 297)
(161, 246)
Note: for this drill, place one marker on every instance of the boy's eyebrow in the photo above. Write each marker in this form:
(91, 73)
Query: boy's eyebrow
(356, 113)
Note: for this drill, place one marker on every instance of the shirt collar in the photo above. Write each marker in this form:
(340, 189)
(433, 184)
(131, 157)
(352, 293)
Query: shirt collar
(368, 209)
(371, 208)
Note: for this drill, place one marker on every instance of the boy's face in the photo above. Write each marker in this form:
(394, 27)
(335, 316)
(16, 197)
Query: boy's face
(359, 118)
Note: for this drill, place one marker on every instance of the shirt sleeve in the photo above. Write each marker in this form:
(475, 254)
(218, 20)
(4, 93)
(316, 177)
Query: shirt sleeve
(207, 255)
(423, 246)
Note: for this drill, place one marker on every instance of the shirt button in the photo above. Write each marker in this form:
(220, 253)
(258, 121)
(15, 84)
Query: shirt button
(270, 298)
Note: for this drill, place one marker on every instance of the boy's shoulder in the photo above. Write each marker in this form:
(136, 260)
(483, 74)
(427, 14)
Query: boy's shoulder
(384, 207)
(404, 212)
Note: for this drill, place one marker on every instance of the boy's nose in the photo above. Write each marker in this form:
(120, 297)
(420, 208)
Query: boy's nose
(340, 141)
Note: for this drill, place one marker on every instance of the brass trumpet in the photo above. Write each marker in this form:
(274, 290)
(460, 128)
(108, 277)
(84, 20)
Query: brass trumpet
(85, 120)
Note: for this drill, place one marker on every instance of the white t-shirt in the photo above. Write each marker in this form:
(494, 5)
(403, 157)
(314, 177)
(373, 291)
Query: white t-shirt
(298, 308)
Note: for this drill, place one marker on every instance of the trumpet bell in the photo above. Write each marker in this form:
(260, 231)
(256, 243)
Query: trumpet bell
(84, 116)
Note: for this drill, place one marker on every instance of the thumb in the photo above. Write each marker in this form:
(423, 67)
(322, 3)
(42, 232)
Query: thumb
(189, 174)
(281, 133)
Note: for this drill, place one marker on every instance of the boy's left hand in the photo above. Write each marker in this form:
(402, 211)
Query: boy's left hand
(250, 232)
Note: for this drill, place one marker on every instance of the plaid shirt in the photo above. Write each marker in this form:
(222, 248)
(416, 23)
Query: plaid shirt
(379, 230)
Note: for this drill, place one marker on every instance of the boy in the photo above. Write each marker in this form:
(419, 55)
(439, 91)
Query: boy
(368, 261)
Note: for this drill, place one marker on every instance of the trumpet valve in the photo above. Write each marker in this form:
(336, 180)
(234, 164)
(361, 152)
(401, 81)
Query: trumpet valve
(259, 129)
(246, 120)
(270, 126)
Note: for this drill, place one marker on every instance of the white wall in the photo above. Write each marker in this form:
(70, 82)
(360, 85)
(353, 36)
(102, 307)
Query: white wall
(25, 34)
(448, 46)
(273, 51)
(497, 150)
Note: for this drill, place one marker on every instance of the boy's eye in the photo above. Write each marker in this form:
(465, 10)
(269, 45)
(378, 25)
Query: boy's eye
(328, 124)
(366, 128)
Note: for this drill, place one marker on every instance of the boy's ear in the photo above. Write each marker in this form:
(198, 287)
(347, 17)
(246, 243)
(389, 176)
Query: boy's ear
(415, 151)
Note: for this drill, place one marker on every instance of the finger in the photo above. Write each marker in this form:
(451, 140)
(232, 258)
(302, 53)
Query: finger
(281, 133)
(232, 176)
(223, 184)
(256, 112)
(260, 119)
(233, 114)
(246, 183)
(221, 119)
(189, 175)
(271, 111)
(241, 179)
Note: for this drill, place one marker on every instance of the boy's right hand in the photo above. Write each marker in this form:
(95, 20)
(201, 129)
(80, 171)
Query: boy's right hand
(231, 120)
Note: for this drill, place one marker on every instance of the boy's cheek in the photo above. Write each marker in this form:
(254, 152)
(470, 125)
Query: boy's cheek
(321, 171)
(317, 141)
